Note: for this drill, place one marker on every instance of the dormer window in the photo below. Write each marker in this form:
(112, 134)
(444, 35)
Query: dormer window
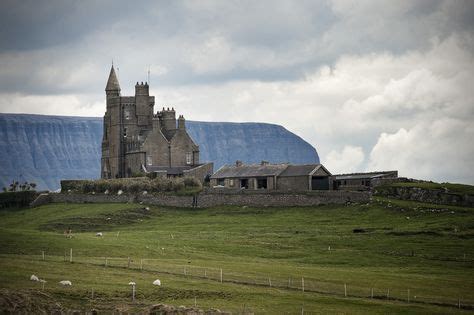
(189, 158)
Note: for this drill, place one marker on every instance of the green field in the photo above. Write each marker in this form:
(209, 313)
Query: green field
(406, 250)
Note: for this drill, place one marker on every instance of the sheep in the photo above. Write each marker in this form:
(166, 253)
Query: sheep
(157, 282)
(119, 192)
(65, 283)
(132, 283)
(34, 278)
(98, 234)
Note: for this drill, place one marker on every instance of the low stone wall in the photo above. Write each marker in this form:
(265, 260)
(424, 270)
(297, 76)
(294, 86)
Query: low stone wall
(205, 200)
(436, 196)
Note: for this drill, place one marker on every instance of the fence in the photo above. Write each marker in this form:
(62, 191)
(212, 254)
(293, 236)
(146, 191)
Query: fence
(300, 283)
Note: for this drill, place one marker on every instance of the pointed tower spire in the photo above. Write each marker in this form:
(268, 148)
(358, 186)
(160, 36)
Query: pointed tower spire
(112, 83)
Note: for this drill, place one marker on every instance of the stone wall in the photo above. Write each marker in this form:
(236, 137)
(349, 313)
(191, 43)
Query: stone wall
(436, 196)
(213, 199)
(200, 172)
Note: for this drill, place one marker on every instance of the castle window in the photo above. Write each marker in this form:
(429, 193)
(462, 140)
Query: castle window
(127, 114)
(149, 160)
(189, 158)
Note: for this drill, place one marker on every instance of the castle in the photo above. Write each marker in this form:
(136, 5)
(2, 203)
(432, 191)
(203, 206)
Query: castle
(137, 141)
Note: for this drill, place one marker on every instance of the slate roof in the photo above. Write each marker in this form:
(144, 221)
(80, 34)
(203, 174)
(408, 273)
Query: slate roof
(299, 170)
(112, 82)
(251, 170)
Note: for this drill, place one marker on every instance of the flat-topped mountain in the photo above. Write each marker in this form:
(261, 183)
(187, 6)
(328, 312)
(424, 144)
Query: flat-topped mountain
(46, 149)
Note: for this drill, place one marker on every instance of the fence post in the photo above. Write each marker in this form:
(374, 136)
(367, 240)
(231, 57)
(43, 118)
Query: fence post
(43, 254)
(289, 282)
(92, 294)
(128, 263)
(388, 294)
(205, 273)
(372, 293)
(459, 303)
(106, 261)
(184, 270)
(221, 275)
(269, 281)
(302, 284)
(64, 255)
(408, 295)
(345, 290)
(141, 264)
(70, 256)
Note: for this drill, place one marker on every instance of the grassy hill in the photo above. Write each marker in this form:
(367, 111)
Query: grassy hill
(400, 249)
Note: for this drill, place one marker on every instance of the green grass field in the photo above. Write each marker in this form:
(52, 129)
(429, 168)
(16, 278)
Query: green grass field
(383, 248)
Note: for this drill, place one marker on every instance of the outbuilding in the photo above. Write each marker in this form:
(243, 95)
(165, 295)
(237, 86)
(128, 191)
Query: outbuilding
(283, 177)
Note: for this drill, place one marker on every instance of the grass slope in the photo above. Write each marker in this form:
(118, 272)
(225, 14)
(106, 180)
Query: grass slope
(402, 245)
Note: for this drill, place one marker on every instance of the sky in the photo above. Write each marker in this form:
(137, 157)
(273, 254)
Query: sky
(372, 85)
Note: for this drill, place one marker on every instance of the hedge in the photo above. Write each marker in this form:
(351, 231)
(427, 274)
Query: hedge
(131, 185)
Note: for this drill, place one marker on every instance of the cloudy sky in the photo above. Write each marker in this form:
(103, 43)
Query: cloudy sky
(373, 85)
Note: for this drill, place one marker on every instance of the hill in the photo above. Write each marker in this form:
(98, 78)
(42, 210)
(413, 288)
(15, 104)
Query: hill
(46, 149)
(389, 256)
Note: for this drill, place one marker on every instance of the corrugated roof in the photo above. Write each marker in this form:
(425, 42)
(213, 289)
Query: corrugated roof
(176, 170)
(364, 175)
(252, 170)
(299, 170)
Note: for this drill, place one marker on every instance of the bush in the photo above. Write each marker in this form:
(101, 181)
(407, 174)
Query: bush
(17, 198)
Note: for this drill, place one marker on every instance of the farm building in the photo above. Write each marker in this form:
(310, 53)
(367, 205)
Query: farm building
(362, 181)
(283, 177)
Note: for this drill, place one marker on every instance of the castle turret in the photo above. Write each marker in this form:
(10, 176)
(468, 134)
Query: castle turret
(144, 109)
(113, 87)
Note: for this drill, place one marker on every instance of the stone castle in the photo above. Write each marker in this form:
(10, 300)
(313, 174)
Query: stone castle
(136, 140)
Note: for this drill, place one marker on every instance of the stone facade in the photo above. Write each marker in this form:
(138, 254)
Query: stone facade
(137, 140)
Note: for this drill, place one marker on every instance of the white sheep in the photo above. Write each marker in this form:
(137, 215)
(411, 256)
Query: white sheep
(132, 283)
(157, 282)
(119, 192)
(34, 278)
(65, 283)
(99, 234)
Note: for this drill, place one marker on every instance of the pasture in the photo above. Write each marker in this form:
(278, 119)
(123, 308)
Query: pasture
(388, 256)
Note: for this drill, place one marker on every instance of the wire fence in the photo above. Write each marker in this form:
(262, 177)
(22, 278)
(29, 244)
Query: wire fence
(300, 283)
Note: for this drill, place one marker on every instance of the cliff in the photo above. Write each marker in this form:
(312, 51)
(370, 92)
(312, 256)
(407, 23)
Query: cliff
(46, 149)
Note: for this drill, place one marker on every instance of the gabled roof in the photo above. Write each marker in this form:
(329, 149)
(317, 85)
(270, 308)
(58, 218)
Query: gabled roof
(251, 170)
(302, 170)
(112, 82)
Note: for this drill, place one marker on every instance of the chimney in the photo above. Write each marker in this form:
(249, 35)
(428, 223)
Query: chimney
(238, 163)
(181, 122)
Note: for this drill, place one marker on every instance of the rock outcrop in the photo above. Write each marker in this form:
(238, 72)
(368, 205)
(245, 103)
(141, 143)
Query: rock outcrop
(46, 149)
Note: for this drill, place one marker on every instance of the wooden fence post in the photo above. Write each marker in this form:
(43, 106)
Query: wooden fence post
(70, 256)
(221, 275)
(372, 293)
(345, 290)
(269, 281)
(106, 261)
(43, 254)
(302, 284)
(141, 264)
(388, 294)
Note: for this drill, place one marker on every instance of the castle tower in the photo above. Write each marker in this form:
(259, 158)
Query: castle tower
(144, 110)
(112, 148)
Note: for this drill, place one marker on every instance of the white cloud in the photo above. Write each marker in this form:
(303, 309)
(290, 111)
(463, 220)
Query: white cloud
(348, 160)
(438, 150)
